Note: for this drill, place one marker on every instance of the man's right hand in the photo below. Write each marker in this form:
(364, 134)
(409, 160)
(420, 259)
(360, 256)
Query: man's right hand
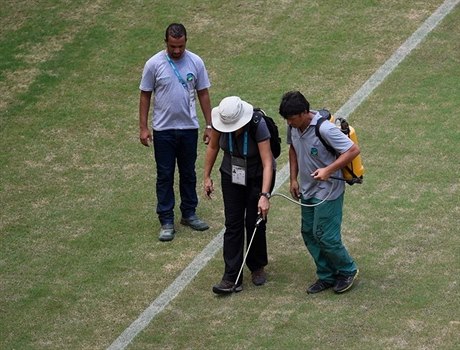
(208, 186)
(294, 189)
(145, 137)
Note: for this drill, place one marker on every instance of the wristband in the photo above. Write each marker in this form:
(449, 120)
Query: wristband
(265, 194)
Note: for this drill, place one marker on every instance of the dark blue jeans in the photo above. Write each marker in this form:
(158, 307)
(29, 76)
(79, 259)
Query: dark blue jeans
(171, 146)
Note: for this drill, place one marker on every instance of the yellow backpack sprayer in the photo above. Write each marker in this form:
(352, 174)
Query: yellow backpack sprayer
(352, 172)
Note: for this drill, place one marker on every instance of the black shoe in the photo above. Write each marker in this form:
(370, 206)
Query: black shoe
(195, 223)
(226, 287)
(167, 233)
(344, 283)
(259, 277)
(318, 286)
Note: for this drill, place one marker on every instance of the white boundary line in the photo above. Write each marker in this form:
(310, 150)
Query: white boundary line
(396, 58)
(211, 249)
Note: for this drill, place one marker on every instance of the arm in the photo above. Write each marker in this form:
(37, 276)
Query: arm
(210, 158)
(267, 164)
(205, 104)
(294, 172)
(324, 173)
(144, 105)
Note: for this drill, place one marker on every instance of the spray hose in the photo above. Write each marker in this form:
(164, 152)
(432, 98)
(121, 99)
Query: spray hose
(302, 204)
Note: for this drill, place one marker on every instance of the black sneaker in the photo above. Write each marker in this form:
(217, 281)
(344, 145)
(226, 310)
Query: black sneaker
(167, 233)
(259, 277)
(318, 286)
(226, 287)
(345, 283)
(195, 223)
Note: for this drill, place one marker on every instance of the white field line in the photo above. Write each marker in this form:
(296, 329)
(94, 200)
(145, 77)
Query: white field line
(401, 53)
(282, 175)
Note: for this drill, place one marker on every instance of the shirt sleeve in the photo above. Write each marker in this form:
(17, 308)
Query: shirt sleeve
(336, 138)
(147, 80)
(262, 132)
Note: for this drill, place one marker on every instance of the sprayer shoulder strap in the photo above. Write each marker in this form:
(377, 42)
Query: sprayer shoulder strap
(318, 135)
(330, 148)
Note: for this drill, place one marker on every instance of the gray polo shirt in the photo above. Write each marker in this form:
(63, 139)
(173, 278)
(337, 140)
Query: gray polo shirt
(173, 104)
(312, 155)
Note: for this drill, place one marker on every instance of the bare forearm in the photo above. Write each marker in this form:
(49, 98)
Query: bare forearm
(144, 106)
(211, 153)
(210, 159)
(293, 164)
(145, 135)
(343, 159)
(205, 104)
(267, 175)
(267, 165)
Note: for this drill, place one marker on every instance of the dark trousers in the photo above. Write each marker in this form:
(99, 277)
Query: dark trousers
(171, 146)
(321, 232)
(240, 203)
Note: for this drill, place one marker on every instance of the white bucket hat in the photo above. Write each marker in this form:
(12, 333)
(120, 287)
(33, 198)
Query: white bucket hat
(231, 114)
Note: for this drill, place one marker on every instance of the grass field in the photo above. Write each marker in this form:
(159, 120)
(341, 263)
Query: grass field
(79, 255)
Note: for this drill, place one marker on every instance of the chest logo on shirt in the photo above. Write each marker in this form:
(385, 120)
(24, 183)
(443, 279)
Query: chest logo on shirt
(190, 76)
(314, 152)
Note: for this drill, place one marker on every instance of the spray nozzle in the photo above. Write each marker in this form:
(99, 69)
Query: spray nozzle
(259, 220)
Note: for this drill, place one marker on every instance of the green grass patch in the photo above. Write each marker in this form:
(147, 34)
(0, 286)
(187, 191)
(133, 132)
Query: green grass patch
(80, 259)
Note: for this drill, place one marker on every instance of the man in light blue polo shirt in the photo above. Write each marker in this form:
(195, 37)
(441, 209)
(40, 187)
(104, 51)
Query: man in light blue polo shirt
(322, 197)
(175, 77)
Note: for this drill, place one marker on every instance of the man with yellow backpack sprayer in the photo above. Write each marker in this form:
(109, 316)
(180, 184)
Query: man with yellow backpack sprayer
(319, 171)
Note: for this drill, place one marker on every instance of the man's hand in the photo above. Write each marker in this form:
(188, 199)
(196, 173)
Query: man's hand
(208, 187)
(263, 207)
(207, 136)
(321, 174)
(145, 136)
(294, 190)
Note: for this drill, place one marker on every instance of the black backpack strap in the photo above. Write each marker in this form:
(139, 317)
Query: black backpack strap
(318, 135)
(257, 116)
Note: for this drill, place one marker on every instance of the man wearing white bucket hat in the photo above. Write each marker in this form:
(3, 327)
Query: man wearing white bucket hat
(247, 178)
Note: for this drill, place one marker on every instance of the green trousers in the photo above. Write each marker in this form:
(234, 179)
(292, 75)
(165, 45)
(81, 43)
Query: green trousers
(321, 232)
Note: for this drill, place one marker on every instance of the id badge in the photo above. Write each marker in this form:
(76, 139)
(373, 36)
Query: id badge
(191, 99)
(239, 168)
(191, 90)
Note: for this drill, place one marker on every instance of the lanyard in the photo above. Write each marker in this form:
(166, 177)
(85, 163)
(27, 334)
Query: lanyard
(245, 143)
(173, 66)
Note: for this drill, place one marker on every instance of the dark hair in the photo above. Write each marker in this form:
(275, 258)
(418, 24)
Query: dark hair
(292, 103)
(176, 30)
